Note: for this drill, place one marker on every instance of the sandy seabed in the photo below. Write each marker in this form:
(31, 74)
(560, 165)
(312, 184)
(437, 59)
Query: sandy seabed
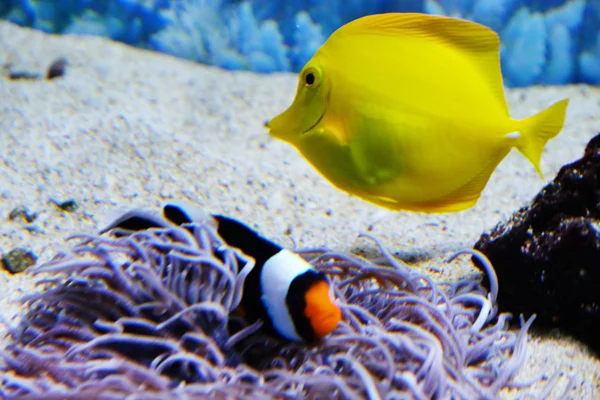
(129, 128)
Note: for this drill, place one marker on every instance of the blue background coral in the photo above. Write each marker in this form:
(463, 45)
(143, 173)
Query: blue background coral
(543, 41)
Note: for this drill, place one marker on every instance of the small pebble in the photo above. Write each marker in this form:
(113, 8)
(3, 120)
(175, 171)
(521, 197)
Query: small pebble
(68, 205)
(23, 75)
(22, 212)
(57, 68)
(18, 260)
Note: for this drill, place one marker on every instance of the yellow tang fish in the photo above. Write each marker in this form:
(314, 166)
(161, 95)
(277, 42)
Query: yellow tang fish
(407, 111)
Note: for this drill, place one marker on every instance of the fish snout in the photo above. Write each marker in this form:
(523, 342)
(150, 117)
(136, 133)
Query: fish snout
(274, 131)
(327, 322)
(268, 123)
(322, 311)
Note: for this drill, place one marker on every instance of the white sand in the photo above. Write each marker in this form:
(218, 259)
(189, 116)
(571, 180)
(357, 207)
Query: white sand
(130, 128)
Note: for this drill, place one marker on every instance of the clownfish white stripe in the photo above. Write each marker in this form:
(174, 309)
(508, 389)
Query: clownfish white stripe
(277, 275)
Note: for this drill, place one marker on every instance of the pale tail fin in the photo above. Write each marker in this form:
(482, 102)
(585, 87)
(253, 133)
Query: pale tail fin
(538, 129)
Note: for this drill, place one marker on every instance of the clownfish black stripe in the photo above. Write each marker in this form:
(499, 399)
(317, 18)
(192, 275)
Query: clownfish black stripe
(136, 223)
(250, 243)
(292, 299)
(176, 215)
(240, 236)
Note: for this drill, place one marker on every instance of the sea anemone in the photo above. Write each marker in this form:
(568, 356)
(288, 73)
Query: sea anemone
(152, 314)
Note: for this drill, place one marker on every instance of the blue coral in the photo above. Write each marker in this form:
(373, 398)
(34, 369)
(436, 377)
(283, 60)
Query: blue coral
(230, 36)
(128, 21)
(524, 48)
(543, 41)
(307, 38)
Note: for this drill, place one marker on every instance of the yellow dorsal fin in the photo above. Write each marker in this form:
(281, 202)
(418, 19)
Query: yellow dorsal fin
(478, 42)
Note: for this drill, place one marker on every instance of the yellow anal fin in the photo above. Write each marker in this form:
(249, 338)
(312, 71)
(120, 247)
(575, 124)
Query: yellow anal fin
(467, 195)
(426, 207)
(459, 199)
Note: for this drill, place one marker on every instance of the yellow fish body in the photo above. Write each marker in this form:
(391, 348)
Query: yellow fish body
(407, 111)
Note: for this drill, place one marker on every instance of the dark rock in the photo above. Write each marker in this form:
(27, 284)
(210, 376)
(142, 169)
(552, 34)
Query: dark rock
(18, 260)
(547, 256)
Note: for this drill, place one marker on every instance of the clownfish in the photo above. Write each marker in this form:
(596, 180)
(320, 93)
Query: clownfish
(293, 300)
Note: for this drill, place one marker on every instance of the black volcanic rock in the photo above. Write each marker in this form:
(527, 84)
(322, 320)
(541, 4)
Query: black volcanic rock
(547, 256)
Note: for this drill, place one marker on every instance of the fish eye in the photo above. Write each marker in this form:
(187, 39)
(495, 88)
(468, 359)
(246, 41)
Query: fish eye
(311, 78)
